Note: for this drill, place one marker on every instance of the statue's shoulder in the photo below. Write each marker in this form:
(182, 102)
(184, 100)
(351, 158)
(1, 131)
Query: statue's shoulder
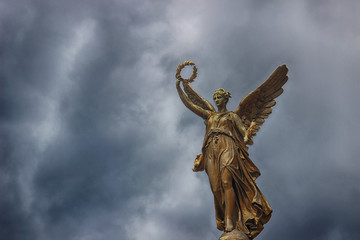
(232, 114)
(211, 114)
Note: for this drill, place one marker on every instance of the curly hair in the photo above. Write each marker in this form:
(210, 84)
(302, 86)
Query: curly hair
(223, 92)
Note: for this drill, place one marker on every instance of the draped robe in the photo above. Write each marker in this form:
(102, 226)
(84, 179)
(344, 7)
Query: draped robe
(224, 148)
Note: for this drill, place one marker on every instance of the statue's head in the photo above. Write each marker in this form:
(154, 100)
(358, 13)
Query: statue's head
(221, 96)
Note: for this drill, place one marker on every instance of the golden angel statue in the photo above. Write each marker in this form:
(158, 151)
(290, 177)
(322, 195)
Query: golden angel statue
(241, 209)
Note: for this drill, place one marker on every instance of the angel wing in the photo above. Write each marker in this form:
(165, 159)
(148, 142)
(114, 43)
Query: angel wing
(257, 105)
(196, 98)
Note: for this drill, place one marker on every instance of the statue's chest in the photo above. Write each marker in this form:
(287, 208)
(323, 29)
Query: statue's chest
(219, 120)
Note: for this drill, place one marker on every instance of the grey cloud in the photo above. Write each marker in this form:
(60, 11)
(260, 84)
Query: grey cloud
(96, 144)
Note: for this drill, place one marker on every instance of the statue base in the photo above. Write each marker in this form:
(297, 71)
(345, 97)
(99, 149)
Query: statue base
(234, 235)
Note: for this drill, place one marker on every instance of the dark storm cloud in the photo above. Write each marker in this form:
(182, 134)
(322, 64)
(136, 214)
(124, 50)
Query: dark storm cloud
(96, 144)
(81, 162)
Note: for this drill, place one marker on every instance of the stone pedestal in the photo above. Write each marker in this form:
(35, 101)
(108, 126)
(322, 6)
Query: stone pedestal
(234, 235)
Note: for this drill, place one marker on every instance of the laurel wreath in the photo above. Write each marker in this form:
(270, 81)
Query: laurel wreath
(181, 66)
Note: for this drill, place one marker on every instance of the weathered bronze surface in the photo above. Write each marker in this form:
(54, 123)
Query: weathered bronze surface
(241, 209)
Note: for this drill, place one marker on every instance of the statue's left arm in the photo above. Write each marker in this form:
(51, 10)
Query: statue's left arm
(242, 130)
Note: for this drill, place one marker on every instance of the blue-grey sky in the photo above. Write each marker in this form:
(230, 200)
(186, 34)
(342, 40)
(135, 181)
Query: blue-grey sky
(96, 144)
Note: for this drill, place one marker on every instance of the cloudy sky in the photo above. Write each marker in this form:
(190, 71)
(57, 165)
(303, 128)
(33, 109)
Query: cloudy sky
(96, 144)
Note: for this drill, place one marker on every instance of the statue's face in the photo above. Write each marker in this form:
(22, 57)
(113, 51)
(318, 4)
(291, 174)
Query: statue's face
(219, 99)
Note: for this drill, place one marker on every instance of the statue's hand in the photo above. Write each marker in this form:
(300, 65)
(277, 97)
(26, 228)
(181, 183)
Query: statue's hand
(178, 80)
(198, 163)
(247, 140)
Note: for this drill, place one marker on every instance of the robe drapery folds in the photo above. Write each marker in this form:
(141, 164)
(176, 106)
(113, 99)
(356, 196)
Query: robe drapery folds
(224, 148)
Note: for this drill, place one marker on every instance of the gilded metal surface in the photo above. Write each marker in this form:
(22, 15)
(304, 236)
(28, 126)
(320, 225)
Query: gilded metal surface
(239, 204)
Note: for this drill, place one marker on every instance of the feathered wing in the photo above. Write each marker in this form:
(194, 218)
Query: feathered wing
(257, 105)
(196, 98)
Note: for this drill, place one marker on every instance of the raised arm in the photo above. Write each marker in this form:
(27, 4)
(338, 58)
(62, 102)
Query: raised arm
(187, 102)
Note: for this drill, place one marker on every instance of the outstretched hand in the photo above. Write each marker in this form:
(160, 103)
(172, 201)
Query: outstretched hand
(178, 80)
(248, 140)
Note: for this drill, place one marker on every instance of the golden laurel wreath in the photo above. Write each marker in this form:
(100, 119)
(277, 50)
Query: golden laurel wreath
(181, 66)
